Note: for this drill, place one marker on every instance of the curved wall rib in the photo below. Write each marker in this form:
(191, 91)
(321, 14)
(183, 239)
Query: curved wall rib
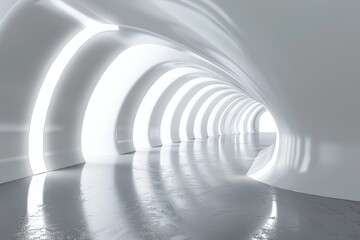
(122, 98)
(62, 137)
(242, 116)
(217, 112)
(148, 118)
(225, 115)
(257, 118)
(202, 118)
(229, 122)
(186, 128)
(38, 119)
(252, 121)
(172, 117)
(249, 122)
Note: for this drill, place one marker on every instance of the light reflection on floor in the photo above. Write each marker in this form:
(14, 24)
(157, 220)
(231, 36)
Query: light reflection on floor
(192, 190)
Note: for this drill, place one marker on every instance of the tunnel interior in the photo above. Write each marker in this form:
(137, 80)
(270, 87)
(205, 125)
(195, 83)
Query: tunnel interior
(179, 119)
(96, 87)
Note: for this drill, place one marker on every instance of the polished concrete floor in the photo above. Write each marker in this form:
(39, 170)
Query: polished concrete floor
(192, 190)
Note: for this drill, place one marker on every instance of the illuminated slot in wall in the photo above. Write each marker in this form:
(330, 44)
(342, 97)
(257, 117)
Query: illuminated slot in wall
(38, 119)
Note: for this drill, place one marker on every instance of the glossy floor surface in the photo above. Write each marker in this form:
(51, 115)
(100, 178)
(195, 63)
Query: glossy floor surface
(191, 190)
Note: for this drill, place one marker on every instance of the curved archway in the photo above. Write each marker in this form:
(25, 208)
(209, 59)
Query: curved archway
(240, 116)
(202, 117)
(229, 125)
(172, 116)
(245, 117)
(225, 115)
(250, 122)
(187, 121)
(148, 119)
(213, 123)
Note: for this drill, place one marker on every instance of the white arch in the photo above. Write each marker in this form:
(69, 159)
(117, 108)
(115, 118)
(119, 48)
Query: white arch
(229, 125)
(225, 115)
(186, 130)
(244, 118)
(149, 115)
(171, 119)
(202, 117)
(257, 119)
(213, 123)
(238, 117)
(38, 118)
(250, 125)
(109, 130)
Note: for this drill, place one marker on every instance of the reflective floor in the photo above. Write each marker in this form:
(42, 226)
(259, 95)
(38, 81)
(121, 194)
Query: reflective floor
(192, 190)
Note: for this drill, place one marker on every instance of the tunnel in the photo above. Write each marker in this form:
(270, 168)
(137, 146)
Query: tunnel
(179, 119)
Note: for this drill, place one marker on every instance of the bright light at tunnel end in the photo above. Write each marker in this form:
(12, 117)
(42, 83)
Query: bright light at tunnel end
(38, 119)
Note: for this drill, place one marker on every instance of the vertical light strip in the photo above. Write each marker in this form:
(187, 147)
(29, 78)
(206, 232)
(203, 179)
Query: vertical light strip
(38, 119)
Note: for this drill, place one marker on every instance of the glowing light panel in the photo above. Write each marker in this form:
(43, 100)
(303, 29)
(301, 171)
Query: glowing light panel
(38, 119)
